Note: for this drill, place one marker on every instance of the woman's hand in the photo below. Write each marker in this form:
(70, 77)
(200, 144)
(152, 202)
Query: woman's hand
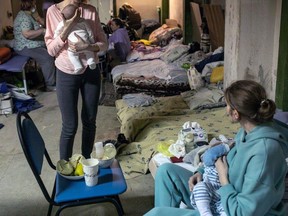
(68, 24)
(82, 45)
(79, 45)
(34, 34)
(193, 180)
(222, 169)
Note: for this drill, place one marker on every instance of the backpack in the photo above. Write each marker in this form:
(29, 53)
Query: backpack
(132, 17)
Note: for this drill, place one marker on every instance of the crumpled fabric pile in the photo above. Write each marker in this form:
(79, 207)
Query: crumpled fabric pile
(190, 136)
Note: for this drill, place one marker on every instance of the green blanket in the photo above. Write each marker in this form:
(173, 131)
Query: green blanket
(146, 127)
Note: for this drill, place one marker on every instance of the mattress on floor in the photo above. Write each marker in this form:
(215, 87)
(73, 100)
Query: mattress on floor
(147, 127)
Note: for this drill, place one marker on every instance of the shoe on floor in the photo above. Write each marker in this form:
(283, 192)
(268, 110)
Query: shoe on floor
(120, 143)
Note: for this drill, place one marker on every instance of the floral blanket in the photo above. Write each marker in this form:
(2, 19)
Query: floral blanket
(146, 127)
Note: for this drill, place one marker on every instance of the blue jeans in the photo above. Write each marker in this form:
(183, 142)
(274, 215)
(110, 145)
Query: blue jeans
(68, 89)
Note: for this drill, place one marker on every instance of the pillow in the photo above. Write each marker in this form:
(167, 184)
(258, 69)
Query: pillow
(5, 54)
(217, 74)
(205, 96)
(174, 52)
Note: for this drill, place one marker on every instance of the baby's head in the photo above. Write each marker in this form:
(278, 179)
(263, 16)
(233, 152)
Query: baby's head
(69, 11)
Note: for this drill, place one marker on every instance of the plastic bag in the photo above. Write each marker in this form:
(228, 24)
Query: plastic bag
(195, 79)
(163, 147)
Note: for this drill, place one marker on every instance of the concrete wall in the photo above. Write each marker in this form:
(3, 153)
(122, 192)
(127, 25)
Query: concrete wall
(4, 19)
(252, 41)
(176, 8)
(104, 8)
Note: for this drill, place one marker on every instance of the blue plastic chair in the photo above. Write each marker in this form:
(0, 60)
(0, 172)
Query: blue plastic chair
(68, 193)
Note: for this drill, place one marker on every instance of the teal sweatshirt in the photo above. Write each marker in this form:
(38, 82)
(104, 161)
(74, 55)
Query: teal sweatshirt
(257, 170)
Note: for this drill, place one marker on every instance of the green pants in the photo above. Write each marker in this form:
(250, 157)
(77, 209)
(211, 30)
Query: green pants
(171, 187)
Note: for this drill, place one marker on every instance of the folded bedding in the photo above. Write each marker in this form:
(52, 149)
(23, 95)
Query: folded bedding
(199, 99)
(152, 86)
(155, 76)
(156, 71)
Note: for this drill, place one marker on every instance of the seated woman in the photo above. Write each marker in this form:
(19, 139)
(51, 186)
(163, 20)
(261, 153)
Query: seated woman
(254, 183)
(119, 41)
(29, 41)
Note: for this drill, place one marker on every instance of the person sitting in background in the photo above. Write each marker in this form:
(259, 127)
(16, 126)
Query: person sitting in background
(119, 41)
(82, 29)
(29, 41)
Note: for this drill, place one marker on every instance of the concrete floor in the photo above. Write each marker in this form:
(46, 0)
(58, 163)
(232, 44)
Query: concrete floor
(19, 191)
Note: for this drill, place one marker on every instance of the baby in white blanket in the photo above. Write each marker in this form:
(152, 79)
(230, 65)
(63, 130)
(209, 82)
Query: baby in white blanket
(83, 30)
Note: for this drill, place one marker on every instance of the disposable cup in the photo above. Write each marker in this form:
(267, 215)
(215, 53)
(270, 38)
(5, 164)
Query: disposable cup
(90, 168)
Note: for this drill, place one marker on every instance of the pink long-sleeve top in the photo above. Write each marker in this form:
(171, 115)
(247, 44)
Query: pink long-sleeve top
(58, 48)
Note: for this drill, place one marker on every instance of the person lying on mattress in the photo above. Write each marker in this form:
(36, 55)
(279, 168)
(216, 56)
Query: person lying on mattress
(254, 183)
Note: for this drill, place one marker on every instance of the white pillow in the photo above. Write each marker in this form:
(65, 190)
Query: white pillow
(174, 52)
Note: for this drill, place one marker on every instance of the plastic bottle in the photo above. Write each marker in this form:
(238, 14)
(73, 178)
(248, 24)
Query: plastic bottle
(99, 150)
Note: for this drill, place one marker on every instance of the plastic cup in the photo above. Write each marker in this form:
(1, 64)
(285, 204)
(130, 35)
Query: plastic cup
(90, 168)
(109, 151)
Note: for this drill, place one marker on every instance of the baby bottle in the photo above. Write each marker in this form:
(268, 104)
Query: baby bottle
(99, 150)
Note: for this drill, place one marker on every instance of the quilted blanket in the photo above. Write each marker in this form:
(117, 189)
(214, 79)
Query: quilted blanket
(146, 127)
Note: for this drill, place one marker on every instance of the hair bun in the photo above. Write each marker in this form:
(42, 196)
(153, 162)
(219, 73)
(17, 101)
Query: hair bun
(266, 110)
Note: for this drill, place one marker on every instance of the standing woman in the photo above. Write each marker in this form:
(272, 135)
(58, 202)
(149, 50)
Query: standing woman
(69, 85)
(29, 40)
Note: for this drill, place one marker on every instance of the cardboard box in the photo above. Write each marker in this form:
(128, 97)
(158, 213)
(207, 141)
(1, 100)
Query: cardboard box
(171, 23)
